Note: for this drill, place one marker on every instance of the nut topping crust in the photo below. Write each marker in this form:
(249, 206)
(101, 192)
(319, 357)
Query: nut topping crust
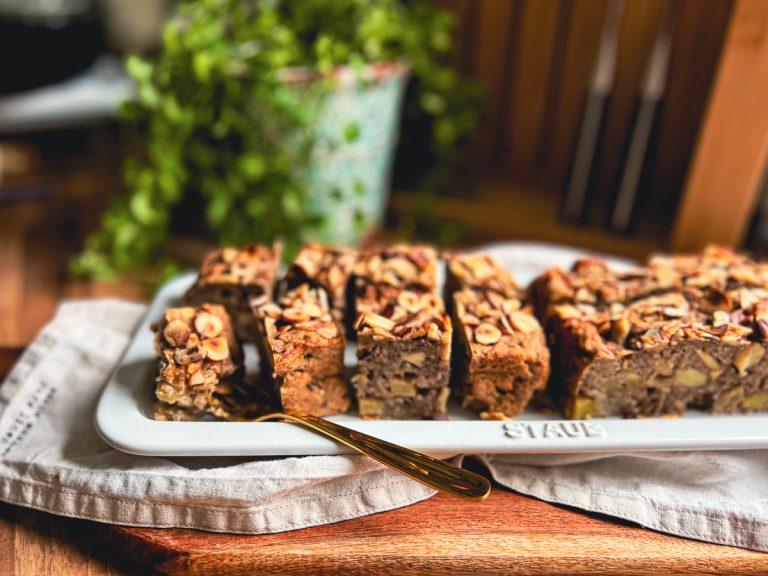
(503, 357)
(197, 351)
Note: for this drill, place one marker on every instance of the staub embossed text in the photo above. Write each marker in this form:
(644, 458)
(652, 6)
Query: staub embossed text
(545, 430)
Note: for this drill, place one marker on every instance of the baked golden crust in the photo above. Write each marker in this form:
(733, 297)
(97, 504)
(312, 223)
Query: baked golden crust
(304, 352)
(403, 335)
(233, 277)
(501, 356)
(329, 268)
(401, 266)
(480, 272)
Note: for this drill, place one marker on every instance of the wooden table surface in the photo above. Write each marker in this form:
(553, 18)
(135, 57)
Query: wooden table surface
(506, 534)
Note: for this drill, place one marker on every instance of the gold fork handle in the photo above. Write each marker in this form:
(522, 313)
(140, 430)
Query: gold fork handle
(420, 467)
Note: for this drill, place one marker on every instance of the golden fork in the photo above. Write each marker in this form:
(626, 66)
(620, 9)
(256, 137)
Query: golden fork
(430, 471)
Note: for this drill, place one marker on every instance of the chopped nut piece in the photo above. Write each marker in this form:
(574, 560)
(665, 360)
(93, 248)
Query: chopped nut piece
(410, 301)
(312, 310)
(675, 312)
(328, 332)
(208, 325)
(620, 330)
(196, 379)
(294, 315)
(405, 269)
(487, 334)
(493, 416)
(176, 332)
(376, 321)
(215, 348)
(720, 318)
(524, 322)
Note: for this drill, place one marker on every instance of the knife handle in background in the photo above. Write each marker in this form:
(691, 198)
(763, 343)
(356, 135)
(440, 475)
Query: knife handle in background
(577, 189)
(647, 109)
(579, 186)
(638, 154)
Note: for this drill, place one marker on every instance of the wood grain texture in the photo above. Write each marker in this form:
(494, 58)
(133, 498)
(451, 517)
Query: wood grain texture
(692, 68)
(11, 285)
(7, 540)
(507, 533)
(34, 543)
(732, 152)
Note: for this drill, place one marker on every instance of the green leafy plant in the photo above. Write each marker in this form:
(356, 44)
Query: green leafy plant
(218, 119)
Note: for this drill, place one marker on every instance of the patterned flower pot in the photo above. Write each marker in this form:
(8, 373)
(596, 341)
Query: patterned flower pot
(355, 135)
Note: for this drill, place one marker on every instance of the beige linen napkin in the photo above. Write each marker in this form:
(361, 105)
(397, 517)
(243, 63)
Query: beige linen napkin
(719, 497)
(52, 459)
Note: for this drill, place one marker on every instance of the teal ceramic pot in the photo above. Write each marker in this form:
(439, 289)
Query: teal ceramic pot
(355, 135)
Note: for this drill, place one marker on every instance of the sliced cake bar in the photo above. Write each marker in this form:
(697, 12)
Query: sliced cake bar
(198, 353)
(500, 352)
(304, 353)
(233, 277)
(697, 339)
(403, 350)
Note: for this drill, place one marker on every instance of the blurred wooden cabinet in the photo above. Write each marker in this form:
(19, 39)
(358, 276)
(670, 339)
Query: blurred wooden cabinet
(728, 172)
(708, 153)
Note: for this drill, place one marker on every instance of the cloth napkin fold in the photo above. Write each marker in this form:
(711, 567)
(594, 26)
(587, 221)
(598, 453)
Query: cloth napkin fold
(52, 459)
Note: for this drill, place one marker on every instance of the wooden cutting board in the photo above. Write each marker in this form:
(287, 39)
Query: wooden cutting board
(507, 533)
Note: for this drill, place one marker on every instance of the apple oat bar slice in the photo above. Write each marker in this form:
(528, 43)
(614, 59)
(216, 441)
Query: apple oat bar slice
(658, 356)
(303, 345)
(403, 350)
(499, 349)
(197, 352)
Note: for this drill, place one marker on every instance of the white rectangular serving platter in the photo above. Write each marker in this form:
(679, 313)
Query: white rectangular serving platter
(123, 416)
